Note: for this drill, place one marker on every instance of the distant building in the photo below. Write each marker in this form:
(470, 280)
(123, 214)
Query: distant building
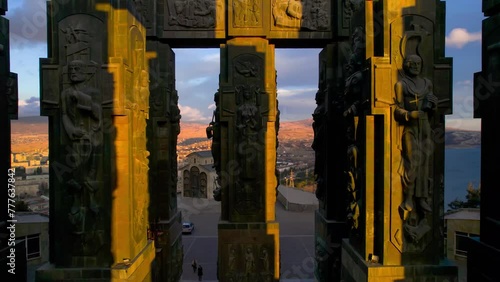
(32, 230)
(198, 175)
(460, 225)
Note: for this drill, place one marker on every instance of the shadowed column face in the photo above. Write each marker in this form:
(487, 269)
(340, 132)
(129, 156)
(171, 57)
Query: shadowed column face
(95, 89)
(247, 116)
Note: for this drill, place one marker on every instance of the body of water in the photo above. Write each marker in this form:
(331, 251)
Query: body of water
(462, 166)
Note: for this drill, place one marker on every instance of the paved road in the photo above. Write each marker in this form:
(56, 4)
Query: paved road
(296, 240)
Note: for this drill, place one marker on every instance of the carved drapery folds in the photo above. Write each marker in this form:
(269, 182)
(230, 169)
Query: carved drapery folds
(318, 145)
(213, 131)
(415, 105)
(249, 146)
(193, 13)
(247, 13)
(302, 14)
(81, 110)
(248, 262)
(417, 158)
(355, 103)
(247, 76)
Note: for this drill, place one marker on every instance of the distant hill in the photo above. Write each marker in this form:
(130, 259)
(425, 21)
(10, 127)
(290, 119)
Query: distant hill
(292, 130)
(30, 125)
(461, 138)
(29, 133)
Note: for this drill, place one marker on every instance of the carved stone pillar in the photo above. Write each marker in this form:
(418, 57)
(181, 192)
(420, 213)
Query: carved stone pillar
(248, 232)
(8, 111)
(163, 128)
(95, 92)
(400, 164)
(330, 146)
(483, 255)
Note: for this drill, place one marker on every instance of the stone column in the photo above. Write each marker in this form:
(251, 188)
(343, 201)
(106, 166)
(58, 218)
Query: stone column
(248, 232)
(8, 111)
(95, 92)
(163, 128)
(483, 255)
(330, 146)
(400, 149)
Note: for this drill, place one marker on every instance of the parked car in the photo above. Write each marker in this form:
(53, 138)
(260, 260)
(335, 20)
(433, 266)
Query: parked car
(187, 227)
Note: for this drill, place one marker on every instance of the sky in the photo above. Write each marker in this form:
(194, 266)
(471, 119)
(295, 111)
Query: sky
(197, 70)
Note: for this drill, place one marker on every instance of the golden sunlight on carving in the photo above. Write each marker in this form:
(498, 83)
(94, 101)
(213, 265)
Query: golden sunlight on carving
(129, 68)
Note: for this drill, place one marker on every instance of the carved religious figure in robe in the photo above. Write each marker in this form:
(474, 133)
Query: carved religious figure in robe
(415, 104)
(82, 122)
(248, 126)
(319, 128)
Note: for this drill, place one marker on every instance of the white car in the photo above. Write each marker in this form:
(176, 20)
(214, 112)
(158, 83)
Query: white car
(187, 227)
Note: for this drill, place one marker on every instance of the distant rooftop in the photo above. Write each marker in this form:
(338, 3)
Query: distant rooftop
(203, 154)
(30, 217)
(209, 167)
(468, 214)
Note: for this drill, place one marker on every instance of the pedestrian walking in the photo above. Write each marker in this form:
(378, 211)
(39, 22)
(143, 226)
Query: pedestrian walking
(194, 264)
(200, 272)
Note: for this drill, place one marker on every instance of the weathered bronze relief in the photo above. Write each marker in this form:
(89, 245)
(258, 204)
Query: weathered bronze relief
(415, 106)
(247, 13)
(192, 13)
(248, 262)
(82, 123)
(301, 14)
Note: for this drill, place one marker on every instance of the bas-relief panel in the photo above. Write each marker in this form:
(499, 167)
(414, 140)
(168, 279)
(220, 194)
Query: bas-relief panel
(248, 78)
(81, 114)
(194, 14)
(137, 103)
(415, 107)
(248, 262)
(311, 15)
(247, 13)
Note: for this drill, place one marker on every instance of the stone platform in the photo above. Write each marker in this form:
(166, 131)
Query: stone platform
(356, 269)
(297, 200)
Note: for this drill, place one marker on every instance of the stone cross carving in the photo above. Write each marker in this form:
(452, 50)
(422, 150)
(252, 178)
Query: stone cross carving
(415, 104)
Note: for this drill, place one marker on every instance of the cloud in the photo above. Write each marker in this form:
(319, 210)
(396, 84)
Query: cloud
(28, 23)
(29, 107)
(464, 124)
(282, 93)
(297, 67)
(459, 37)
(467, 82)
(192, 114)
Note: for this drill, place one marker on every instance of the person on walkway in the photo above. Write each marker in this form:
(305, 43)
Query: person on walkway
(194, 264)
(200, 272)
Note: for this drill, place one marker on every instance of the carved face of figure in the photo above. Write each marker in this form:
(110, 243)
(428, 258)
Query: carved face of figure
(246, 94)
(413, 65)
(75, 69)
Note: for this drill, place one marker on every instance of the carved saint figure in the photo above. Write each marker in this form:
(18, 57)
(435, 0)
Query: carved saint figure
(265, 260)
(82, 122)
(232, 260)
(213, 131)
(248, 127)
(249, 261)
(415, 104)
(193, 13)
(319, 119)
(246, 12)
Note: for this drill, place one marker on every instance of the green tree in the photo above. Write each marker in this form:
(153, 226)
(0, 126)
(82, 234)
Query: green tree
(473, 198)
